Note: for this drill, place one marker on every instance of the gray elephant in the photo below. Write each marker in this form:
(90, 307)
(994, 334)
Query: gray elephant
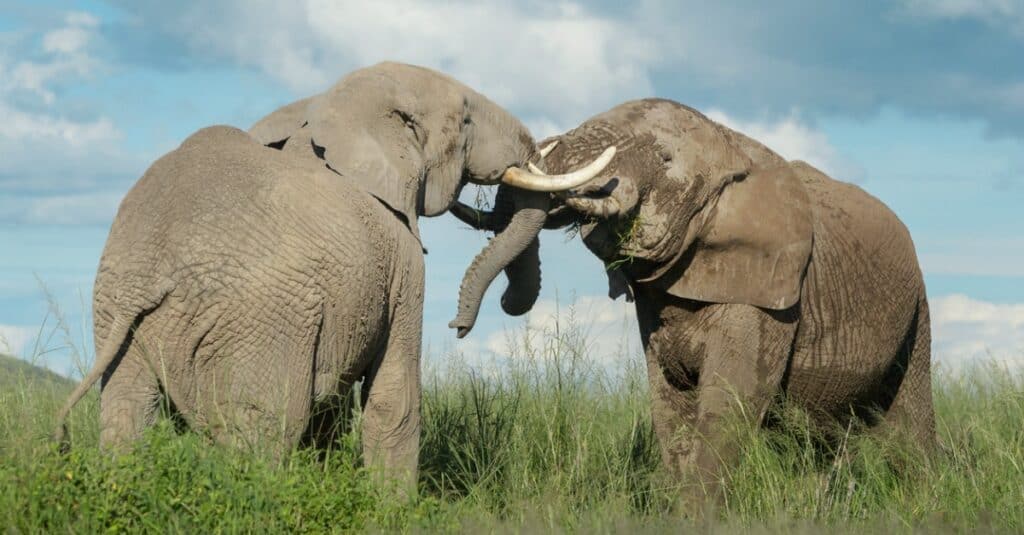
(250, 279)
(753, 277)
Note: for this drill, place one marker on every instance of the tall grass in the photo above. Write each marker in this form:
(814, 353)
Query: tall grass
(545, 440)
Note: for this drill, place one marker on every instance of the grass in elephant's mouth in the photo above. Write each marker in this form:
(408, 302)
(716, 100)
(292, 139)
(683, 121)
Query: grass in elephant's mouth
(546, 441)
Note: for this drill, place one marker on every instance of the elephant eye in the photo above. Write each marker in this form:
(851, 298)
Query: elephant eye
(411, 124)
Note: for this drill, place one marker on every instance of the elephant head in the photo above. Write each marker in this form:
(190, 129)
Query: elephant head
(687, 206)
(413, 138)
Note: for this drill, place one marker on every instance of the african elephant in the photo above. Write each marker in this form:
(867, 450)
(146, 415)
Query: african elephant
(753, 277)
(253, 278)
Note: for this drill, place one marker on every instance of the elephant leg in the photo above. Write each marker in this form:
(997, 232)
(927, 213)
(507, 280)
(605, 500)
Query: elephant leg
(129, 399)
(673, 409)
(391, 394)
(746, 353)
(673, 402)
(261, 391)
(911, 407)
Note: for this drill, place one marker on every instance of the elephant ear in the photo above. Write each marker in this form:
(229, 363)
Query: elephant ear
(275, 129)
(382, 156)
(753, 247)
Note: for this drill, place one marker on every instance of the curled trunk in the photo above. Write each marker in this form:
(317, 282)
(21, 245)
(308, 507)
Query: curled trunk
(514, 248)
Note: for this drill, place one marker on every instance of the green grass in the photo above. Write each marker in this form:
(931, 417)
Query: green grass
(549, 442)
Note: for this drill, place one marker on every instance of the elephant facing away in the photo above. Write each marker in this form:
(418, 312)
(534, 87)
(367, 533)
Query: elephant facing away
(753, 277)
(250, 279)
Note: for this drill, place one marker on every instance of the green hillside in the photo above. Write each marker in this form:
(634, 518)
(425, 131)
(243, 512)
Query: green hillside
(14, 371)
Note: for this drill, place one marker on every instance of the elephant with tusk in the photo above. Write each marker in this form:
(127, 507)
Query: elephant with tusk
(250, 279)
(753, 277)
(523, 200)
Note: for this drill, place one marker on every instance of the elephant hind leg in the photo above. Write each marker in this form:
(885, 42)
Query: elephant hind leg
(330, 419)
(130, 398)
(392, 389)
(257, 394)
(911, 407)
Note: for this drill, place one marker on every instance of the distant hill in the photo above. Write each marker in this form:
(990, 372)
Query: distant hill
(16, 371)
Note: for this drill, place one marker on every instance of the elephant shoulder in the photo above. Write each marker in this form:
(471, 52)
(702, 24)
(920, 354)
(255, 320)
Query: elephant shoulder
(866, 224)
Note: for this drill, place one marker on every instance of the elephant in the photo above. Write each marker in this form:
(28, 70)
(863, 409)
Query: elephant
(753, 277)
(250, 279)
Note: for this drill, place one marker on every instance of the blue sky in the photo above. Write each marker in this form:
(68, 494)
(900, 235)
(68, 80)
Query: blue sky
(920, 102)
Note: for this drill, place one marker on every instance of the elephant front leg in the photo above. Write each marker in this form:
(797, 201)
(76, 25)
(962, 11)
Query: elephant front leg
(673, 409)
(391, 402)
(746, 351)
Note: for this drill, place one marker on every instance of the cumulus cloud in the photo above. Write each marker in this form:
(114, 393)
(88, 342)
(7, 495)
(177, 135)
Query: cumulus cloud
(601, 330)
(14, 339)
(552, 62)
(567, 60)
(41, 127)
(795, 140)
(67, 56)
(85, 208)
(997, 12)
(966, 329)
(50, 160)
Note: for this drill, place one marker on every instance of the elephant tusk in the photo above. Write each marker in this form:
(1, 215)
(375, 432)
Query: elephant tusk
(543, 154)
(547, 150)
(532, 181)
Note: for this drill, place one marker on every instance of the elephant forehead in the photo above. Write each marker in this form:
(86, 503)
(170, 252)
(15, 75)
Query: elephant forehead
(655, 139)
(635, 156)
(691, 144)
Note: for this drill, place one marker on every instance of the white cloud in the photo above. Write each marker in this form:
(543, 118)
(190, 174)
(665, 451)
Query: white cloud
(1005, 13)
(42, 149)
(965, 8)
(73, 37)
(47, 128)
(601, 330)
(795, 140)
(542, 127)
(68, 57)
(67, 60)
(69, 209)
(553, 60)
(966, 329)
(14, 339)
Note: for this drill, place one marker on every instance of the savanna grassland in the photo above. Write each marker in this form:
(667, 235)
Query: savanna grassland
(547, 441)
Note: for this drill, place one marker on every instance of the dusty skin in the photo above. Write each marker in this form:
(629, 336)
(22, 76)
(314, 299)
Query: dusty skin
(249, 279)
(752, 277)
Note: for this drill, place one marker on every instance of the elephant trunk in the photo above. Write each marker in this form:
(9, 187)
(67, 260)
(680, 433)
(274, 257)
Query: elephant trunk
(478, 219)
(514, 249)
(523, 281)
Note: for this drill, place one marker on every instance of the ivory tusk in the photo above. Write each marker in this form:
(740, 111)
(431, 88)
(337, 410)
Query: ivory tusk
(547, 150)
(533, 181)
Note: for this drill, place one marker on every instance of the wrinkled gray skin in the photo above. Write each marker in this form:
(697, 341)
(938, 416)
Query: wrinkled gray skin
(252, 279)
(753, 277)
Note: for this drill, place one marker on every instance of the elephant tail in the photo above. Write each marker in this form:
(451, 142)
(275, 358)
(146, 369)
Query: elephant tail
(124, 321)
